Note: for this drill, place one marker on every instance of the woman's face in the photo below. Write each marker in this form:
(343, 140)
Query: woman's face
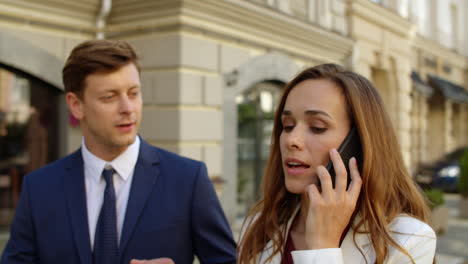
(314, 121)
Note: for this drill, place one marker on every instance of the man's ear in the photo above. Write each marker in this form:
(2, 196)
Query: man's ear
(75, 105)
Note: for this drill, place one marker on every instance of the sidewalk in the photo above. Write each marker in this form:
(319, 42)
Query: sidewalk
(452, 246)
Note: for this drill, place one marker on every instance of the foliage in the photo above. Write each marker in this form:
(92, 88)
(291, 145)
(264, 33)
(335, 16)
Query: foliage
(435, 197)
(463, 181)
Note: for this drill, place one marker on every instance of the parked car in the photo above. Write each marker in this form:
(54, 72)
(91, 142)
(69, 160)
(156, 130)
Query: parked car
(443, 173)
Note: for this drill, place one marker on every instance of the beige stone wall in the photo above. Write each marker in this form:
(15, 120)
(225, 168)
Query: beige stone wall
(383, 42)
(187, 50)
(436, 127)
(182, 93)
(432, 58)
(388, 51)
(328, 14)
(189, 47)
(419, 130)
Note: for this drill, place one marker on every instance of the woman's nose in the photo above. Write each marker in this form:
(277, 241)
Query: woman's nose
(296, 139)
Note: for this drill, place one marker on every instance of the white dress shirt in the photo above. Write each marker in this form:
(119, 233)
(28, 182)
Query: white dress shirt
(95, 184)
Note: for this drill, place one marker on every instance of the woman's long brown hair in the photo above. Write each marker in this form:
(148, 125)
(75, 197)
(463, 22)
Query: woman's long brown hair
(387, 190)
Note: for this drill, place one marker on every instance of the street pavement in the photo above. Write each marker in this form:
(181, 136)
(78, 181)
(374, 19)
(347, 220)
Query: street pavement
(452, 245)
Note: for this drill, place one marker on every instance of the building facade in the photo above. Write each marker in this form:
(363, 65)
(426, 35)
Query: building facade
(213, 70)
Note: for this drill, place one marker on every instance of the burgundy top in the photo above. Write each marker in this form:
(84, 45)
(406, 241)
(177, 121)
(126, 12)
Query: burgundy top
(287, 258)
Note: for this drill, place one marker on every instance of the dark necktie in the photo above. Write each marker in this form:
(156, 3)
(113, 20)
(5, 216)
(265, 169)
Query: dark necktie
(105, 240)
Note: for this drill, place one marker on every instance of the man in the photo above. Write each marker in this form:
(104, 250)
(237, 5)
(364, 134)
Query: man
(117, 199)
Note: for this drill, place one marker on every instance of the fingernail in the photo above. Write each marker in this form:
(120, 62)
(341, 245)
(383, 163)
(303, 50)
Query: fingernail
(333, 151)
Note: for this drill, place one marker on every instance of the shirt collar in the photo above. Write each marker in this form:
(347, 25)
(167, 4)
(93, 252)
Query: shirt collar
(122, 164)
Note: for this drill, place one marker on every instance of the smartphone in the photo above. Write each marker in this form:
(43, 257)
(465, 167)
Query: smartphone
(350, 147)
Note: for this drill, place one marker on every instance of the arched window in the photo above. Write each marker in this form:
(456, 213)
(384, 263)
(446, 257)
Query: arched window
(255, 108)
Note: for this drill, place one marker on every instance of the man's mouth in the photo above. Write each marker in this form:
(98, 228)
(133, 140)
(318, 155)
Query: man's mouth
(126, 127)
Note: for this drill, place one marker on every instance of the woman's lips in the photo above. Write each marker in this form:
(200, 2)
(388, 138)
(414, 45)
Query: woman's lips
(296, 170)
(295, 166)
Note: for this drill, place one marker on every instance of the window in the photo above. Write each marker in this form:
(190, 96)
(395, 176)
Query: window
(454, 26)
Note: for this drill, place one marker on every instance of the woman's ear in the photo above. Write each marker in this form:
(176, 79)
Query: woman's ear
(75, 105)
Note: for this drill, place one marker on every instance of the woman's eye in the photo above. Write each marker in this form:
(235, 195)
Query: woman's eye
(318, 130)
(288, 128)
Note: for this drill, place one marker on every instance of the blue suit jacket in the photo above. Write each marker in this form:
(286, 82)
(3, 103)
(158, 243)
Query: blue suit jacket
(173, 211)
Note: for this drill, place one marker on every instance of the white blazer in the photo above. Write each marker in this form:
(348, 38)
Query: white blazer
(415, 236)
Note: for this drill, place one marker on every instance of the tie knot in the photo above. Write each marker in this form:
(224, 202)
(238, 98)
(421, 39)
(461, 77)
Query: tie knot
(107, 174)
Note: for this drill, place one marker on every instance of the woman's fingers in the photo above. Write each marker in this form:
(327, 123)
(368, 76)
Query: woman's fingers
(356, 181)
(340, 172)
(325, 183)
(329, 211)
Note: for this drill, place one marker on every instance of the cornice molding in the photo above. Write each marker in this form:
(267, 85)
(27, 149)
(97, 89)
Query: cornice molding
(432, 47)
(245, 22)
(379, 15)
(126, 11)
(50, 15)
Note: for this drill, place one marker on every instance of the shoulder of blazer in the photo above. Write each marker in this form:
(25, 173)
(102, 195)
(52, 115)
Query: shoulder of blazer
(56, 169)
(408, 225)
(153, 154)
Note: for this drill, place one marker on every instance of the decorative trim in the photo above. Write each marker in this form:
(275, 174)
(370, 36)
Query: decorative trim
(52, 19)
(271, 66)
(31, 59)
(434, 48)
(244, 22)
(381, 16)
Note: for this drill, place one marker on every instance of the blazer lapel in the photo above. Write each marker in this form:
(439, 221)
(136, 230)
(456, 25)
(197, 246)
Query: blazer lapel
(144, 177)
(268, 250)
(360, 240)
(75, 193)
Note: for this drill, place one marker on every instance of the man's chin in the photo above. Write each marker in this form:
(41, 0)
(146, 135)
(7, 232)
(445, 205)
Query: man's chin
(123, 142)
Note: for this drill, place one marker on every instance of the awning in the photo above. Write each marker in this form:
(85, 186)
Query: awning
(420, 85)
(449, 89)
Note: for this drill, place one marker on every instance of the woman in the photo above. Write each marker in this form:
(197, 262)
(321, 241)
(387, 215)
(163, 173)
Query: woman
(306, 218)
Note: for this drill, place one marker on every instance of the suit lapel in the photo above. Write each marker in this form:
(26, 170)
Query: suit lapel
(144, 177)
(76, 202)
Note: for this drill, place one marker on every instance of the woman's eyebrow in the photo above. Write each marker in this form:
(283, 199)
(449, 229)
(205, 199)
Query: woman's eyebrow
(317, 112)
(308, 112)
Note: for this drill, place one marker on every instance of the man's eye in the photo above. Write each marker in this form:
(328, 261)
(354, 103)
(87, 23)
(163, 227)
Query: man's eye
(107, 97)
(318, 130)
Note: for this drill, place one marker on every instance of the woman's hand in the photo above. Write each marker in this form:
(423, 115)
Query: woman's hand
(153, 261)
(330, 210)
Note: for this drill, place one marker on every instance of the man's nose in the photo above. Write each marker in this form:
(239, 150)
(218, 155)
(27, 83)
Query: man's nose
(127, 105)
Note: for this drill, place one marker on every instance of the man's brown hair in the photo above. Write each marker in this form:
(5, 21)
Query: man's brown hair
(95, 56)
